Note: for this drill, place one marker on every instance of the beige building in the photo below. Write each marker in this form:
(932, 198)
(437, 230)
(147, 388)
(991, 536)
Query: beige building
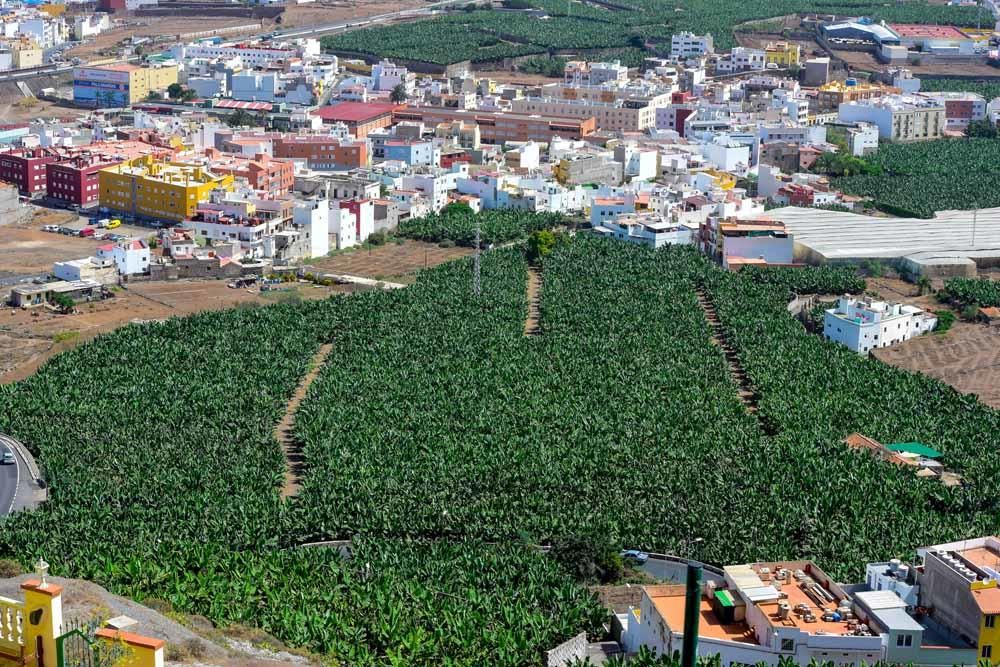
(621, 115)
(464, 134)
(898, 117)
(25, 53)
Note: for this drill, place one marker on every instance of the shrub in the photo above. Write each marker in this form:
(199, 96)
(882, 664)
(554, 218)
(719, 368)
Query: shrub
(945, 319)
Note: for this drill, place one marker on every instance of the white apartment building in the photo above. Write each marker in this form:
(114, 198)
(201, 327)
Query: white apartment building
(252, 55)
(312, 218)
(596, 74)
(386, 75)
(960, 108)
(686, 45)
(129, 257)
(742, 59)
(650, 230)
(864, 324)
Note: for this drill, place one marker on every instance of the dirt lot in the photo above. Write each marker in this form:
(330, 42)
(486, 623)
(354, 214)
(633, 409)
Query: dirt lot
(28, 338)
(392, 262)
(12, 110)
(967, 357)
(294, 16)
(26, 249)
(861, 60)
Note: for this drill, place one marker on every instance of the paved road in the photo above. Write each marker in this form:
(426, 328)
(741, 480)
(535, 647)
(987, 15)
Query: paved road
(8, 486)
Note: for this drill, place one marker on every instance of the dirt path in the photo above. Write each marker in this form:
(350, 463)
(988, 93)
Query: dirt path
(745, 390)
(534, 294)
(285, 430)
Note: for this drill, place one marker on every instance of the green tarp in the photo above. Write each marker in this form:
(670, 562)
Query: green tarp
(914, 448)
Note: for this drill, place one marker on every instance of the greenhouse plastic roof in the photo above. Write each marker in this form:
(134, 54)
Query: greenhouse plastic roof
(946, 238)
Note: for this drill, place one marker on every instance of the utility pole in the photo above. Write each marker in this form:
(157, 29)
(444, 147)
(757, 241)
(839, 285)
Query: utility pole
(476, 287)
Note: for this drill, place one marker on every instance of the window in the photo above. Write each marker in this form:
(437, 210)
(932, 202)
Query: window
(788, 645)
(990, 621)
(987, 651)
(904, 640)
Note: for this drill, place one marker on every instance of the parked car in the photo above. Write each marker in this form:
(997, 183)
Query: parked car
(86, 232)
(114, 224)
(69, 231)
(7, 458)
(634, 556)
(50, 228)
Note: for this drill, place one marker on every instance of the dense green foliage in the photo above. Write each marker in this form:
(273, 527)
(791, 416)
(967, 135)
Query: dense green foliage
(544, 65)
(574, 26)
(988, 89)
(458, 224)
(439, 438)
(921, 178)
(977, 292)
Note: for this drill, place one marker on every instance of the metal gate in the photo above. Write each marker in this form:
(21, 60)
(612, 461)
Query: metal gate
(77, 647)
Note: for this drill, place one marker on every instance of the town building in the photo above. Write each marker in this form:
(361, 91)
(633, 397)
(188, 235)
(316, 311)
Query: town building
(113, 86)
(960, 108)
(781, 54)
(25, 168)
(498, 127)
(621, 115)
(74, 179)
(651, 230)
(865, 324)
(737, 243)
(684, 45)
(581, 169)
(322, 152)
(361, 118)
(595, 73)
(156, 189)
(262, 172)
(898, 118)
(832, 95)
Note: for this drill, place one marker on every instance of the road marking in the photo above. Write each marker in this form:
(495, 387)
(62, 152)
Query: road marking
(17, 474)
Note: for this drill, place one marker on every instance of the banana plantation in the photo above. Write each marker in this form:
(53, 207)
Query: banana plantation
(444, 443)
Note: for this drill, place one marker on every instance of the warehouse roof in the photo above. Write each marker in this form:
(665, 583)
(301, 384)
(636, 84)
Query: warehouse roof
(914, 448)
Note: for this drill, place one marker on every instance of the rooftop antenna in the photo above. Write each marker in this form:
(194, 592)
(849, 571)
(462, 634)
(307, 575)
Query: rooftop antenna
(476, 286)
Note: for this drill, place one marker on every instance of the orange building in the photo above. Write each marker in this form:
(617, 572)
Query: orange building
(499, 127)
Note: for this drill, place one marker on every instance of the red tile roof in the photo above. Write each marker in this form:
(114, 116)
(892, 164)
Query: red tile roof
(988, 600)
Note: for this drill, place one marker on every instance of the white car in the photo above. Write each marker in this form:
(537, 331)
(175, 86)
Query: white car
(7, 458)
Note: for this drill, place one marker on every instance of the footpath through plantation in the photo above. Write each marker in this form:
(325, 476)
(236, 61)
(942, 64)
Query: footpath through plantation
(444, 442)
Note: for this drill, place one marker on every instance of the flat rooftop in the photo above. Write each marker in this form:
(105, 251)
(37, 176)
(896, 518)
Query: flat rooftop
(985, 556)
(929, 31)
(671, 608)
(835, 235)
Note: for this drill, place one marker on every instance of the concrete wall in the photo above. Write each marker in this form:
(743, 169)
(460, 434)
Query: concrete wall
(567, 652)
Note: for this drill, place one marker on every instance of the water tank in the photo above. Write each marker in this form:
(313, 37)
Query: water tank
(903, 571)
(894, 564)
(850, 82)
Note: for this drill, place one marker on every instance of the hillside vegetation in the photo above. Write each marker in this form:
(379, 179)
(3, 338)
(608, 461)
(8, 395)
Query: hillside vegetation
(443, 442)
(920, 178)
(572, 25)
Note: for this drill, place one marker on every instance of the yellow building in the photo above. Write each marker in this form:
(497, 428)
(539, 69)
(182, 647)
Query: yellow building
(25, 53)
(782, 54)
(155, 189)
(120, 85)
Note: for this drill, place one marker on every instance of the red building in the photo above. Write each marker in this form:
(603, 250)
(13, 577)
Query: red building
(262, 172)
(25, 168)
(361, 118)
(321, 151)
(73, 179)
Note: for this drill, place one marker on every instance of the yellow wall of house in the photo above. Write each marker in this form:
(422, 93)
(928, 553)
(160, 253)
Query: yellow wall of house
(155, 194)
